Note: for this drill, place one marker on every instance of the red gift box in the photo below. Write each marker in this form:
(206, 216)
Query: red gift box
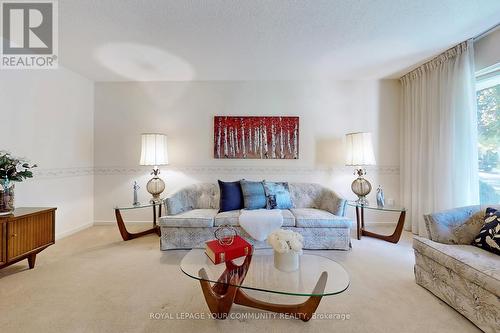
(220, 253)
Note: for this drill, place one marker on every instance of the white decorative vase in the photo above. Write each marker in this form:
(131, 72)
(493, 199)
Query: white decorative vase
(286, 262)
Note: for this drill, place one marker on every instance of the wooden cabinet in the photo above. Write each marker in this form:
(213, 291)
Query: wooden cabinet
(25, 233)
(3, 244)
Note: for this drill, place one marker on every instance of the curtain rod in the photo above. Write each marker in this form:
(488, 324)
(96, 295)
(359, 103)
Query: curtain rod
(484, 33)
(475, 39)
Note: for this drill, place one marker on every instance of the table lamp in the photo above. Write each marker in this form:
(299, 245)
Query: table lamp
(154, 152)
(360, 154)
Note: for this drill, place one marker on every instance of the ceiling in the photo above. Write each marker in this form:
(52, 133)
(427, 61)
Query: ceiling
(182, 40)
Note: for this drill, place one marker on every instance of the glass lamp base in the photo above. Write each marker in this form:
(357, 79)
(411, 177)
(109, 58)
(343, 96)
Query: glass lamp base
(155, 186)
(361, 187)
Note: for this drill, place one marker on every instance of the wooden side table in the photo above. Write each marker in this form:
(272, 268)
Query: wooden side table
(129, 235)
(360, 221)
(25, 233)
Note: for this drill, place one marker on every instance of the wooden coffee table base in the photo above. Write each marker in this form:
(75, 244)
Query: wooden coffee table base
(223, 294)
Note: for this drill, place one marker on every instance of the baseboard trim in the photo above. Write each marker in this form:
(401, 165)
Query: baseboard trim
(73, 231)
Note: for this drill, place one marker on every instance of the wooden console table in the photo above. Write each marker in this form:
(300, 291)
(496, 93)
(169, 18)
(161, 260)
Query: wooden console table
(24, 233)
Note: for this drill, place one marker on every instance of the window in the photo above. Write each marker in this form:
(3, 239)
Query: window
(488, 116)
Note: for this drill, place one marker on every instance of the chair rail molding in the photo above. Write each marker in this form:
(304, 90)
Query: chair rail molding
(63, 172)
(206, 169)
(246, 169)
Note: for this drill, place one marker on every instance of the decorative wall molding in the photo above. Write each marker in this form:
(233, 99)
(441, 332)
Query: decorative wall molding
(120, 170)
(63, 172)
(209, 170)
(242, 169)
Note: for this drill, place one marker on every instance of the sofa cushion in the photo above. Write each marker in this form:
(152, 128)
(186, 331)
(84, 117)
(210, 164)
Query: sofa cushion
(231, 197)
(230, 218)
(190, 219)
(489, 236)
(306, 195)
(288, 218)
(196, 196)
(317, 218)
(468, 261)
(279, 194)
(254, 196)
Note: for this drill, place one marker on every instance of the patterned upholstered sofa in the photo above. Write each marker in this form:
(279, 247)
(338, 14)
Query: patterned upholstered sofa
(192, 217)
(464, 276)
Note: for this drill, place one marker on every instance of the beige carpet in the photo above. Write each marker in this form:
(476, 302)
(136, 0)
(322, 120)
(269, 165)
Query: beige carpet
(94, 282)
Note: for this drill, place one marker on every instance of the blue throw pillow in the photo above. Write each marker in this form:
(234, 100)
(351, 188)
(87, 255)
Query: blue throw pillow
(278, 195)
(231, 196)
(254, 196)
(271, 202)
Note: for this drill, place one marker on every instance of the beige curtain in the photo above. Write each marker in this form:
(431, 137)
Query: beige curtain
(439, 168)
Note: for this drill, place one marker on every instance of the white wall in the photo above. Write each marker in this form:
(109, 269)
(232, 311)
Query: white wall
(47, 117)
(185, 110)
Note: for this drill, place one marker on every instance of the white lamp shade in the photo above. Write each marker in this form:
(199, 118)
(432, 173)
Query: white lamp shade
(154, 149)
(359, 149)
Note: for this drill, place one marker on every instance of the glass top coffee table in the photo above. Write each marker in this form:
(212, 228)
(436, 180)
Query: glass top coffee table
(316, 277)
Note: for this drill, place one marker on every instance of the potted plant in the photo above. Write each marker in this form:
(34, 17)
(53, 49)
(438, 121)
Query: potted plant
(287, 247)
(12, 170)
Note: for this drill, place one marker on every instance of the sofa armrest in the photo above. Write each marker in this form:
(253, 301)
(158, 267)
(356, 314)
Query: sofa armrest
(177, 204)
(455, 226)
(333, 203)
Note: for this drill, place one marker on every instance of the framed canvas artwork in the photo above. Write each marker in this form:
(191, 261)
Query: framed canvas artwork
(256, 137)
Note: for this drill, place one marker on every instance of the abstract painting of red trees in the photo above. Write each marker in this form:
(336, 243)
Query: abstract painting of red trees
(256, 137)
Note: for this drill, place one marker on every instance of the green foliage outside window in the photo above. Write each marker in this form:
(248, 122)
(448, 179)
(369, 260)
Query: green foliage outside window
(488, 114)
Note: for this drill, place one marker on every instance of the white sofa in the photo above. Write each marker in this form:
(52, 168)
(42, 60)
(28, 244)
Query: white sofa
(192, 217)
(464, 276)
